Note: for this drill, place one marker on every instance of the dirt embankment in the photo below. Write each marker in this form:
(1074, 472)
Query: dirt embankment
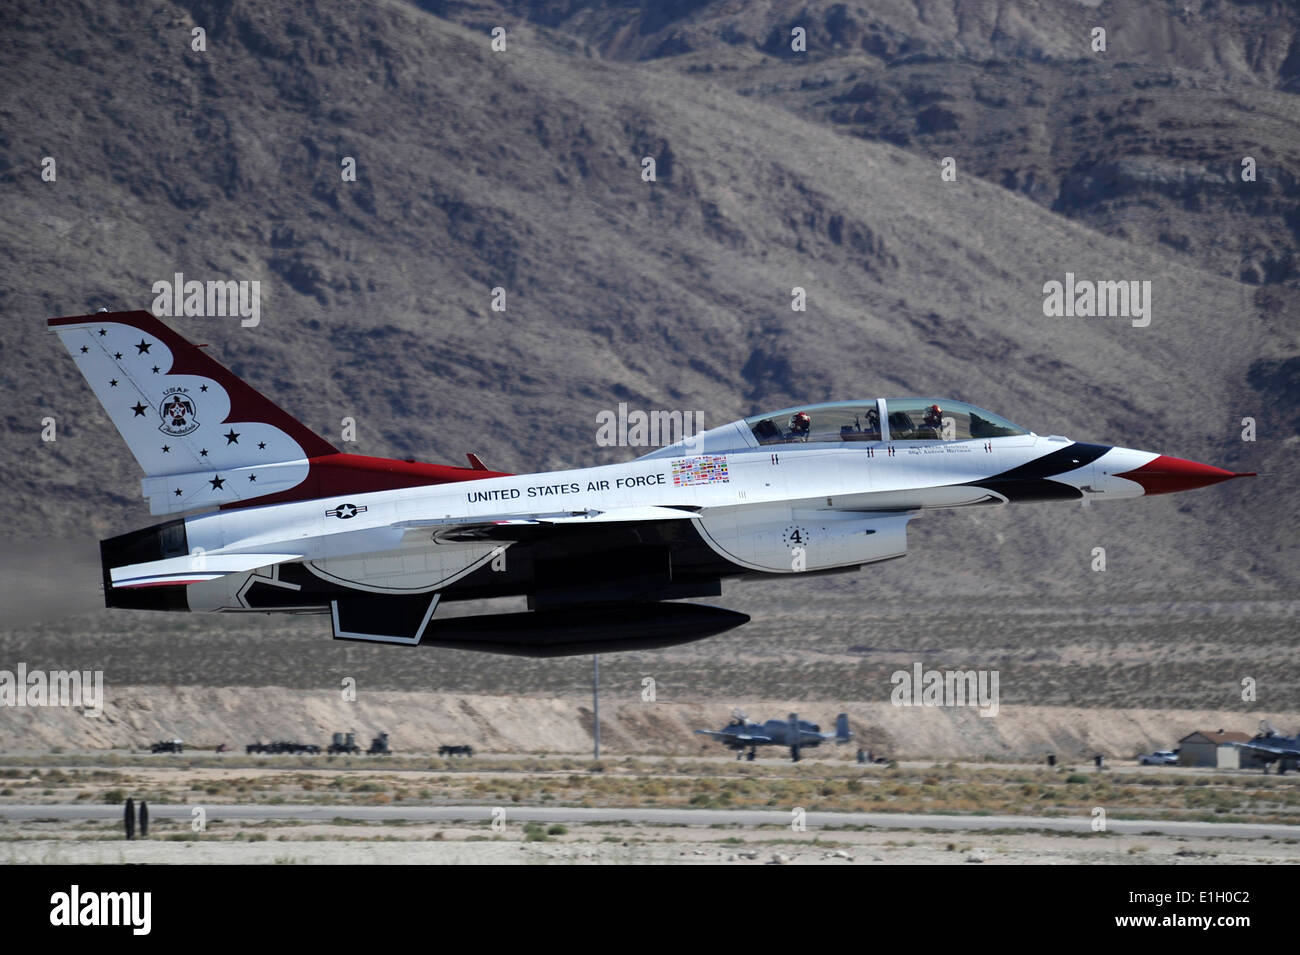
(134, 717)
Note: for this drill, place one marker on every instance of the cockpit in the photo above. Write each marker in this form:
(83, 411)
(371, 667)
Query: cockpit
(885, 419)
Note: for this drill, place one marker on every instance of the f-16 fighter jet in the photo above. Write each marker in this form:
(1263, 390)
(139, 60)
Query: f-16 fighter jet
(279, 520)
(740, 734)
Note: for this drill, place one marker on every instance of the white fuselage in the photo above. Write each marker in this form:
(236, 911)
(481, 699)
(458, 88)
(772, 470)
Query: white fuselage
(775, 509)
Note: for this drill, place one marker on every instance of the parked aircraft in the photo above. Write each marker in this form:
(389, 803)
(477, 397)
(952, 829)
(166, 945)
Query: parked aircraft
(741, 734)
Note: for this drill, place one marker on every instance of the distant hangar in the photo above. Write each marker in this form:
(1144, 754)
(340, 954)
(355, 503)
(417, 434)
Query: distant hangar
(1215, 749)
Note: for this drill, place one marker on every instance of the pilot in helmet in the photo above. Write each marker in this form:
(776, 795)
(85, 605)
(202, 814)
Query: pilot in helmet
(800, 424)
(934, 417)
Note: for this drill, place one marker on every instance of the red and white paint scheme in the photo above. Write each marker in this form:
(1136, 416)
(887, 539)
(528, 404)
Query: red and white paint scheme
(282, 521)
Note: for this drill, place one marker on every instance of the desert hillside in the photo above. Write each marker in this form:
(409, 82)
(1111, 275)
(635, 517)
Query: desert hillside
(135, 717)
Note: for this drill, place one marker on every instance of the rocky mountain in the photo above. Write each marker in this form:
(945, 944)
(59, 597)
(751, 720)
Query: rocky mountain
(522, 170)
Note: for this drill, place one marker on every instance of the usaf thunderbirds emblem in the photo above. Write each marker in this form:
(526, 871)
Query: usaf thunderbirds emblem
(177, 412)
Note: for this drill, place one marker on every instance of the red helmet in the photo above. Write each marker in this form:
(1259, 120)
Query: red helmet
(935, 410)
(800, 421)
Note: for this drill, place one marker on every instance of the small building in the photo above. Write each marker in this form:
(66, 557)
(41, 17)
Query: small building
(1205, 748)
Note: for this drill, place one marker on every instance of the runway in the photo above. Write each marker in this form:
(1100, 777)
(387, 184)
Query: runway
(669, 817)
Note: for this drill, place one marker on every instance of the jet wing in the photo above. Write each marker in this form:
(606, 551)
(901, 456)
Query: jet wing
(192, 568)
(738, 737)
(1283, 752)
(511, 527)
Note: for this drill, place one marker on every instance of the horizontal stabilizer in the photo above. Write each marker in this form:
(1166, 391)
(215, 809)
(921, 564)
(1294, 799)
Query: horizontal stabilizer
(192, 568)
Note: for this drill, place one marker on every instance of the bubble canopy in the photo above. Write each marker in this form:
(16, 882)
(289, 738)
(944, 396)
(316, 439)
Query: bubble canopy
(884, 419)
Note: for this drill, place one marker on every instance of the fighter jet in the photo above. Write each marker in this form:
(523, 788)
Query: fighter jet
(741, 734)
(267, 516)
(1268, 746)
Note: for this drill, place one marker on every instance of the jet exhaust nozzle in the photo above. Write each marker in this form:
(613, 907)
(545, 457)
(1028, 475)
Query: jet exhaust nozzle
(158, 542)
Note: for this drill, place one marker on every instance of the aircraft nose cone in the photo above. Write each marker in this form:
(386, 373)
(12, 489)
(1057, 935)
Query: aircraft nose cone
(1165, 475)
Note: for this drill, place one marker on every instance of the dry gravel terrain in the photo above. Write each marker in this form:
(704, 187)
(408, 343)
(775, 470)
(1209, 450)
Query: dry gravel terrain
(45, 787)
(642, 845)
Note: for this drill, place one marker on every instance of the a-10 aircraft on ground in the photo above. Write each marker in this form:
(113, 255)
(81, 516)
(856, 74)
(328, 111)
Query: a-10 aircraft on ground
(741, 734)
(1269, 746)
(279, 520)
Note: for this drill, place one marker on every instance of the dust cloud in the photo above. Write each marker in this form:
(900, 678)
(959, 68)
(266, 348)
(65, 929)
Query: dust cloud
(44, 580)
